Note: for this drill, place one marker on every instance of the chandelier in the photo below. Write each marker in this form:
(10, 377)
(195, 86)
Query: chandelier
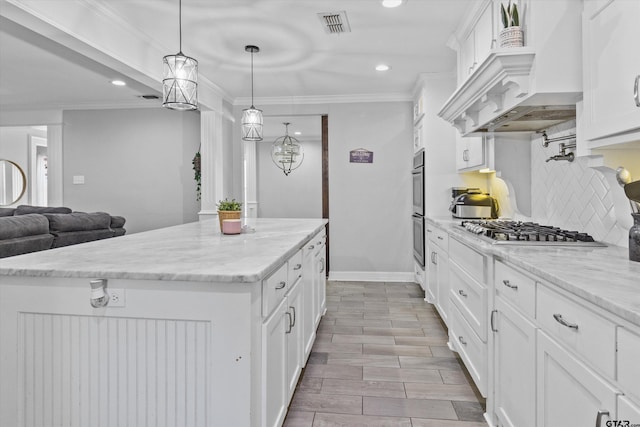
(286, 152)
(252, 117)
(180, 78)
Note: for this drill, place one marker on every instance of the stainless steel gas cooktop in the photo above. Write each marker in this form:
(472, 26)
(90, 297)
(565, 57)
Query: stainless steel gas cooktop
(527, 233)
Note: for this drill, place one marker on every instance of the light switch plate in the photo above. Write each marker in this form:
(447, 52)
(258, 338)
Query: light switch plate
(78, 179)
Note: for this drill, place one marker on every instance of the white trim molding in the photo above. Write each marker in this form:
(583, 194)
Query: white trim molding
(372, 276)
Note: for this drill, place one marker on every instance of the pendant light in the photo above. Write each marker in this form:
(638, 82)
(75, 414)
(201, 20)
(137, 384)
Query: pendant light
(286, 152)
(180, 78)
(252, 117)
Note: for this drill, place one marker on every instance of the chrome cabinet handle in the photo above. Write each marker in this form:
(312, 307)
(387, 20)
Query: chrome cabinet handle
(297, 267)
(601, 413)
(322, 265)
(440, 238)
(288, 331)
(509, 285)
(463, 293)
(462, 341)
(636, 93)
(563, 322)
(465, 155)
(293, 309)
(311, 247)
(434, 258)
(493, 328)
(281, 285)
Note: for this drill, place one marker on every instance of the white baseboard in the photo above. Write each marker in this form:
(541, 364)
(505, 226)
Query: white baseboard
(372, 276)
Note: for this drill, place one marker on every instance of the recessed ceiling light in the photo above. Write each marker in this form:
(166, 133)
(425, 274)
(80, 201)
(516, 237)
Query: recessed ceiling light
(382, 67)
(392, 3)
(118, 83)
(297, 133)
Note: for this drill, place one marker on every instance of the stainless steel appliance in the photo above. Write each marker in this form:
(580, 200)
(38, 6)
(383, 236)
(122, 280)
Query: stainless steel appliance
(527, 233)
(418, 207)
(474, 204)
(418, 182)
(418, 239)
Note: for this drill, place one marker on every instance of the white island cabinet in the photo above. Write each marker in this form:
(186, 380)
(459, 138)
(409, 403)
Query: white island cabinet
(205, 329)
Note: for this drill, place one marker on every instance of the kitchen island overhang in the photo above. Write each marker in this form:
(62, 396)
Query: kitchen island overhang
(188, 341)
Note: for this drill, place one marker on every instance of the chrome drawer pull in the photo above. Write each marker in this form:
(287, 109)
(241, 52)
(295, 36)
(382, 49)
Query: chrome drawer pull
(297, 267)
(636, 94)
(601, 413)
(281, 285)
(563, 322)
(311, 247)
(288, 331)
(293, 309)
(492, 316)
(463, 293)
(509, 285)
(462, 341)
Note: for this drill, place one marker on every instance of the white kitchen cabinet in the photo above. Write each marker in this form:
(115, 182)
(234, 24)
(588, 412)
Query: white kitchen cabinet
(468, 296)
(314, 284)
(320, 276)
(294, 313)
(470, 153)
(438, 270)
(478, 40)
(514, 359)
(568, 392)
(274, 365)
(611, 72)
(628, 411)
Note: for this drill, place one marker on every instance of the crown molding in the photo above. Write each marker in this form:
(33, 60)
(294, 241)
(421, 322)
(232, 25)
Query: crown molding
(325, 99)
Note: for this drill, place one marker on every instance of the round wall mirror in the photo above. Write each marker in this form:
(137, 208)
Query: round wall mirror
(13, 182)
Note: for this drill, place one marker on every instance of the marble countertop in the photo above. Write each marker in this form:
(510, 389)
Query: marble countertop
(190, 252)
(603, 276)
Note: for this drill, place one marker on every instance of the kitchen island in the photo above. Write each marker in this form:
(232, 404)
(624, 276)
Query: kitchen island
(201, 328)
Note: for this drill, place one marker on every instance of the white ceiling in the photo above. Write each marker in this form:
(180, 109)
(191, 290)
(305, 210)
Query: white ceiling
(297, 58)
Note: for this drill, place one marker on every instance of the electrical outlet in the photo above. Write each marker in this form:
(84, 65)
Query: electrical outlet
(116, 297)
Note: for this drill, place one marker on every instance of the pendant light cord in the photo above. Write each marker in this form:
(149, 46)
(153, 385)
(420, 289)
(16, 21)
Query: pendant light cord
(180, 22)
(251, 78)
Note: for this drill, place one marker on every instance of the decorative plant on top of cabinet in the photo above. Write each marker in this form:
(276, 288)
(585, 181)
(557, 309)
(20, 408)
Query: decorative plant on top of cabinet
(511, 34)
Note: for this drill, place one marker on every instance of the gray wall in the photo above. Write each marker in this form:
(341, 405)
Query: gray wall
(370, 204)
(298, 195)
(136, 163)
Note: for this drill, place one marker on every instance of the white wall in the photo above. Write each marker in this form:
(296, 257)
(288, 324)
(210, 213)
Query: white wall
(136, 163)
(14, 146)
(298, 195)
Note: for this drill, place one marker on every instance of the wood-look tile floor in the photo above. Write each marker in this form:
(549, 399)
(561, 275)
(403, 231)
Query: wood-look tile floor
(381, 360)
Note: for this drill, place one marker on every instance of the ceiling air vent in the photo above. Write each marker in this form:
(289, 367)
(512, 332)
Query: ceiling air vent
(335, 22)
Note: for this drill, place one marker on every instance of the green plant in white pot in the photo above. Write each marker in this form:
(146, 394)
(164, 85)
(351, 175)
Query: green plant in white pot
(511, 35)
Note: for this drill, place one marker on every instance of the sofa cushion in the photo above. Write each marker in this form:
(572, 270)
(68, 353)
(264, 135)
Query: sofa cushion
(23, 245)
(7, 211)
(119, 231)
(66, 238)
(27, 209)
(117, 221)
(12, 227)
(78, 221)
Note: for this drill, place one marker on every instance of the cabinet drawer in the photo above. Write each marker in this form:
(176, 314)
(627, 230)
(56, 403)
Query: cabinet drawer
(471, 261)
(471, 349)
(628, 366)
(589, 335)
(470, 297)
(274, 289)
(295, 268)
(439, 237)
(516, 287)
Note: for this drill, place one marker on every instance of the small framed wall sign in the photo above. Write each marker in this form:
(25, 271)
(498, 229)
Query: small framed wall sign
(360, 155)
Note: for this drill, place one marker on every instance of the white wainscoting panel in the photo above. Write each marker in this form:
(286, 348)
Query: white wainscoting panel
(105, 371)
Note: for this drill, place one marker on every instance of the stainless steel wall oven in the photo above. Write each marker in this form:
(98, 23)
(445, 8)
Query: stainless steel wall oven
(418, 207)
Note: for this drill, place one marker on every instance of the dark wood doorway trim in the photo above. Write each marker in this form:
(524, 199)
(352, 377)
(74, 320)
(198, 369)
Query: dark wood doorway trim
(325, 183)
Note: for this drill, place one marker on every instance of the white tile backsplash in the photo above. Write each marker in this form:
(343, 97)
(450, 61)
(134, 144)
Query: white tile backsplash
(572, 195)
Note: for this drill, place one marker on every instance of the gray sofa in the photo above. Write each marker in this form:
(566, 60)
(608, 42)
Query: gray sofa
(35, 228)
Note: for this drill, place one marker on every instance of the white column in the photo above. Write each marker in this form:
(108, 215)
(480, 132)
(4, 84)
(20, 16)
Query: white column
(211, 163)
(250, 180)
(55, 177)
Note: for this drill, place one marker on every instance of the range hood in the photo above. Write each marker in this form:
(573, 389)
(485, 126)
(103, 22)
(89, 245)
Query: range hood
(513, 91)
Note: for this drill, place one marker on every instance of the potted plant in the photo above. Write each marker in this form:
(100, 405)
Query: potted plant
(511, 34)
(228, 209)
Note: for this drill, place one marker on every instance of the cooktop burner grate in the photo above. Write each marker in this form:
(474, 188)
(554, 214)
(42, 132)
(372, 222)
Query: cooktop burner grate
(527, 233)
